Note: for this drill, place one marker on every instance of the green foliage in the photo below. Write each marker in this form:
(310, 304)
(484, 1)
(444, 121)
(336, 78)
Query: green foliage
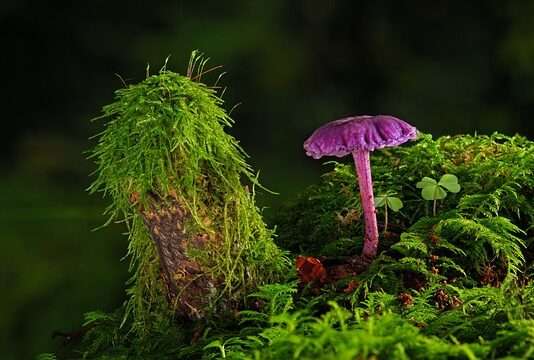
(46, 356)
(433, 190)
(392, 202)
(291, 325)
(451, 286)
(324, 219)
(387, 200)
(337, 333)
(166, 136)
(461, 275)
(104, 330)
(516, 339)
(485, 240)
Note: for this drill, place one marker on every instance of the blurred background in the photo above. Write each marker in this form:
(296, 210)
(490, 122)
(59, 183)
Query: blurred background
(447, 67)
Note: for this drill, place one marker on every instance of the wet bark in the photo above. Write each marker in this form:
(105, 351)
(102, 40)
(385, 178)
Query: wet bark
(188, 286)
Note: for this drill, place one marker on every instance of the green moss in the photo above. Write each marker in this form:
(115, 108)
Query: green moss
(490, 220)
(456, 285)
(463, 275)
(166, 136)
(452, 285)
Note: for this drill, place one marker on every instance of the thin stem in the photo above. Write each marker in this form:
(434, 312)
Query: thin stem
(365, 182)
(434, 207)
(385, 217)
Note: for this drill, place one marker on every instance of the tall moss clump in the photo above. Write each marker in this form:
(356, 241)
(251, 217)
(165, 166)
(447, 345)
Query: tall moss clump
(197, 242)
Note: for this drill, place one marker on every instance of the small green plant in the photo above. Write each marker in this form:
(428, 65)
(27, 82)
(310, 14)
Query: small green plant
(387, 200)
(434, 190)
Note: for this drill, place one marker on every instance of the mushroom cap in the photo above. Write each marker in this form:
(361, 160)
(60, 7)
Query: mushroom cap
(341, 137)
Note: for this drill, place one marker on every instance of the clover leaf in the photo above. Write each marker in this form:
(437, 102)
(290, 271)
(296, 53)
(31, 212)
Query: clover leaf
(388, 200)
(450, 182)
(434, 190)
(393, 202)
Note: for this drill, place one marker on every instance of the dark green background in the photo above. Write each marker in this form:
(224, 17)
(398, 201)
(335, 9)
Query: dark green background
(447, 67)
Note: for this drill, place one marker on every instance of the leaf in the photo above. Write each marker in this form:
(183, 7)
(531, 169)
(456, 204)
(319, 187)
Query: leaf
(434, 192)
(450, 182)
(380, 200)
(310, 270)
(426, 182)
(410, 242)
(394, 203)
(215, 343)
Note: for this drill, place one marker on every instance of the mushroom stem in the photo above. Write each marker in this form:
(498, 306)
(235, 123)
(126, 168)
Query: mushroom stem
(363, 172)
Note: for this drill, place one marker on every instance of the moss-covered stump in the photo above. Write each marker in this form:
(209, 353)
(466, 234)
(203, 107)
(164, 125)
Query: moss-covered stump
(197, 242)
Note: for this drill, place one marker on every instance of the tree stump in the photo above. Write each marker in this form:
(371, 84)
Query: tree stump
(188, 287)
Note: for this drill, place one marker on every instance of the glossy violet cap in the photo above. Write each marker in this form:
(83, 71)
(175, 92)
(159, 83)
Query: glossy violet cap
(341, 137)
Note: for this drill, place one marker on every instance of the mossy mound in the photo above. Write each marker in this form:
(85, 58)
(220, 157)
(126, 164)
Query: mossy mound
(454, 285)
(495, 172)
(197, 242)
(463, 275)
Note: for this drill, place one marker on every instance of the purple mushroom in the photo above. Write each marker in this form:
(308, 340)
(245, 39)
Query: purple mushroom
(360, 135)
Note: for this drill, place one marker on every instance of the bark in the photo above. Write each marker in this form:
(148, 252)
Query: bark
(189, 288)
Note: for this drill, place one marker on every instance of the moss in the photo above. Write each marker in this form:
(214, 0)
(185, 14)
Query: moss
(456, 285)
(452, 285)
(491, 217)
(165, 138)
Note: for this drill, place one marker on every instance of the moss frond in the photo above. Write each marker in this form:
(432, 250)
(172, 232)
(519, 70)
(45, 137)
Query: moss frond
(477, 235)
